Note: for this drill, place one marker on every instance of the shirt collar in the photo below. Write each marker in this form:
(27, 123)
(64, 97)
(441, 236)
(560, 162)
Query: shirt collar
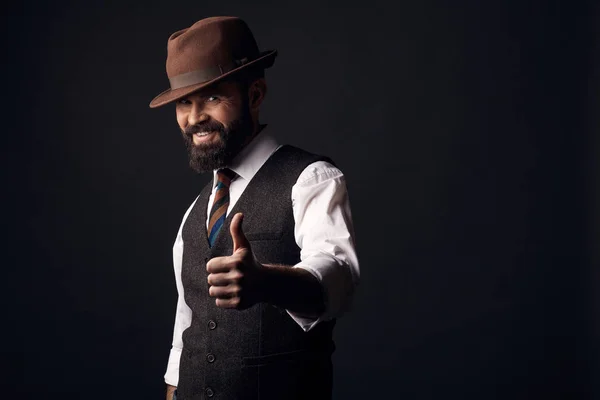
(247, 163)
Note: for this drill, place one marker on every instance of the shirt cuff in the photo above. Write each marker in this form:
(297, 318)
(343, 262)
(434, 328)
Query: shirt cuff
(328, 272)
(172, 374)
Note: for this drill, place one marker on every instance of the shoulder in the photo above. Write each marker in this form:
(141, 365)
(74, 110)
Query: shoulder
(292, 154)
(310, 168)
(319, 171)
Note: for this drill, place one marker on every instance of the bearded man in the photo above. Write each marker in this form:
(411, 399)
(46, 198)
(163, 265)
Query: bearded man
(257, 303)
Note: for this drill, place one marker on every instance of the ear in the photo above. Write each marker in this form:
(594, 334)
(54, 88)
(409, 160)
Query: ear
(257, 92)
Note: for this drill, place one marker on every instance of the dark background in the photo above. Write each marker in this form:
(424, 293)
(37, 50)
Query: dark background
(477, 117)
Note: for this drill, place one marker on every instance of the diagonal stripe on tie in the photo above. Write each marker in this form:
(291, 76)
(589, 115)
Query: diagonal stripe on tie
(217, 204)
(218, 210)
(216, 228)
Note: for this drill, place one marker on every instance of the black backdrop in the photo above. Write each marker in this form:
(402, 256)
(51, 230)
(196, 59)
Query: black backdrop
(475, 116)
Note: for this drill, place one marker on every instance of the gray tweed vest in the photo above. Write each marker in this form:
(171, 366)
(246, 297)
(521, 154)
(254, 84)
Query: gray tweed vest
(259, 353)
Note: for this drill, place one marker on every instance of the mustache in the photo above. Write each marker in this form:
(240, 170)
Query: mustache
(212, 126)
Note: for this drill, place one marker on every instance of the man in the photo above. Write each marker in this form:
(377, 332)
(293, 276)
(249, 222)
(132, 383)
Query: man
(264, 259)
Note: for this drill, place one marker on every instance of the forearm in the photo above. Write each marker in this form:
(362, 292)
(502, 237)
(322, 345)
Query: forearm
(294, 289)
(170, 391)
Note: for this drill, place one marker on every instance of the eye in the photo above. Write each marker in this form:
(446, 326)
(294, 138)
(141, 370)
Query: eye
(211, 99)
(183, 101)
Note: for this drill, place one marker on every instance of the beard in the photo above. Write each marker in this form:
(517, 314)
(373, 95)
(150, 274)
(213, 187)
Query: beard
(209, 156)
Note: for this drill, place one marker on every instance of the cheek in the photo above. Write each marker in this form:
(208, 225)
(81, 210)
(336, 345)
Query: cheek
(225, 115)
(181, 119)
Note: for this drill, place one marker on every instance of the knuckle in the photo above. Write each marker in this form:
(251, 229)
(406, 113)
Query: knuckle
(236, 291)
(236, 276)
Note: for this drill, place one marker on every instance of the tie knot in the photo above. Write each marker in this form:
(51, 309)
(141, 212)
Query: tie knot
(225, 176)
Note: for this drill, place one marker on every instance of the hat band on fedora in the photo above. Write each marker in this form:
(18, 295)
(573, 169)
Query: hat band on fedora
(204, 75)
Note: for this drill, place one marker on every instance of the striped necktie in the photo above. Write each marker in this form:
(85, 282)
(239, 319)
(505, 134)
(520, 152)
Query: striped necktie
(218, 212)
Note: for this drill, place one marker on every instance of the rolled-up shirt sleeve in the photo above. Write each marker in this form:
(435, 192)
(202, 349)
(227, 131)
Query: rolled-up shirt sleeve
(183, 313)
(325, 234)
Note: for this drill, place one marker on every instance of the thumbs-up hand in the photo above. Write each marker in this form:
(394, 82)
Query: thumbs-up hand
(235, 280)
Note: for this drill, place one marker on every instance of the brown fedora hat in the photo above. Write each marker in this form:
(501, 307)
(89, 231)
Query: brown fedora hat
(207, 52)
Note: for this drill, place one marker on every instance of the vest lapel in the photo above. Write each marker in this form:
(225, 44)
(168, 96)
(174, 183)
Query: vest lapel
(203, 209)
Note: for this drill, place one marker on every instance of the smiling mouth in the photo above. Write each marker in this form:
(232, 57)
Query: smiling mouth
(204, 136)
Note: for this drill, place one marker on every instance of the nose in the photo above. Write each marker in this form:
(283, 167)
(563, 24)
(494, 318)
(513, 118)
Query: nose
(196, 115)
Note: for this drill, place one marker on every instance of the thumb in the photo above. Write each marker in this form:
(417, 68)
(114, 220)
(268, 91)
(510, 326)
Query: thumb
(239, 239)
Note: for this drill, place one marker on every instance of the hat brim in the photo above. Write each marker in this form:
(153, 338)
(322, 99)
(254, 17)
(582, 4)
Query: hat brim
(266, 58)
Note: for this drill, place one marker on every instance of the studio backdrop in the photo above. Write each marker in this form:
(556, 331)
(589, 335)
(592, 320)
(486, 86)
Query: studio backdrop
(474, 119)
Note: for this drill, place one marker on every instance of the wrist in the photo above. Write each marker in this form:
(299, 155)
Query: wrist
(263, 273)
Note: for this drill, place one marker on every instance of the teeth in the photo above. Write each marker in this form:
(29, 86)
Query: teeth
(202, 133)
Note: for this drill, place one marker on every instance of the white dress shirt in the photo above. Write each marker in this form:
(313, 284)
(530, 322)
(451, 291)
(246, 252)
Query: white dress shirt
(323, 231)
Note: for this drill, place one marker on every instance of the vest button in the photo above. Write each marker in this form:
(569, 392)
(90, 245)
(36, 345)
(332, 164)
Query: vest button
(212, 325)
(210, 357)
(209, 392)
